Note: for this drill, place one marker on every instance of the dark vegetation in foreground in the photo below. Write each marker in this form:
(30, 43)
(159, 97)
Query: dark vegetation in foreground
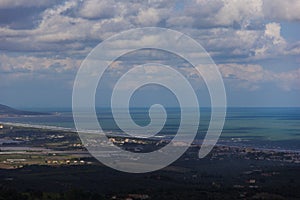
(185, 179)
(226, 173)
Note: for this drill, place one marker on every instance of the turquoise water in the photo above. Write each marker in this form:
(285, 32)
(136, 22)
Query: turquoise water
(274, 128)
(271, 128)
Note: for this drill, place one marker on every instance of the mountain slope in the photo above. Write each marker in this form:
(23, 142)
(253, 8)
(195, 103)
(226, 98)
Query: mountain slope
(6, 110)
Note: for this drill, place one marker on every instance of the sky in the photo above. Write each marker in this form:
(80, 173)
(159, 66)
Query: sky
(254, 43)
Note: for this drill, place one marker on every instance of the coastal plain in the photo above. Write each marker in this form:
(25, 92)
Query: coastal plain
(52, 164)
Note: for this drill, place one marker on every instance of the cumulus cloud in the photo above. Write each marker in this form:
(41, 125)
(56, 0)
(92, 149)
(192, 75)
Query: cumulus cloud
(218, 24)
(272, 43)
(273, 31)
(25, 3)
(97, 9)
(149, 17)
(251, 73)
(282, 10)
(39, 66)
(239, 13)
(227, 13)
(242, 12)
(253, 76)
(229, 29)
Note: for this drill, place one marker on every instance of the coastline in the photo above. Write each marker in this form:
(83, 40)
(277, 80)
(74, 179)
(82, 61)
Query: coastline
(226, 172)
(166, 139)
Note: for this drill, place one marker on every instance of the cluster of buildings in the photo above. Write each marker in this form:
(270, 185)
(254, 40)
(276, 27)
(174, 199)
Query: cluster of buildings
(127, 140)
(131, 197)
(66, 162)
(222, 152)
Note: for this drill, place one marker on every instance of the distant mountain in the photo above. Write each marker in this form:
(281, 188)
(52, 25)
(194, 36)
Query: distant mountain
(6, 110)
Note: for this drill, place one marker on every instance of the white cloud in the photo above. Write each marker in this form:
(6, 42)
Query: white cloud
(149, 17)
(225, 27)
(282, 9)
(272, 43)
(251, 73)
(273, 31)
(98, 9)
(24, 3)
(28, 65)
(254, 76)
(239, 11)
(180, 21)
(61, 31)
(212, 13)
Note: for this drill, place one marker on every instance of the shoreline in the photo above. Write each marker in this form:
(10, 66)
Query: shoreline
(116, 135)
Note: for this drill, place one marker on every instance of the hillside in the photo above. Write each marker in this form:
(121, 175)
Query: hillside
(6, 110)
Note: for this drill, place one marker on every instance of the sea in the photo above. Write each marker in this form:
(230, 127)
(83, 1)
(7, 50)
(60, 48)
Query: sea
(263, 128)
